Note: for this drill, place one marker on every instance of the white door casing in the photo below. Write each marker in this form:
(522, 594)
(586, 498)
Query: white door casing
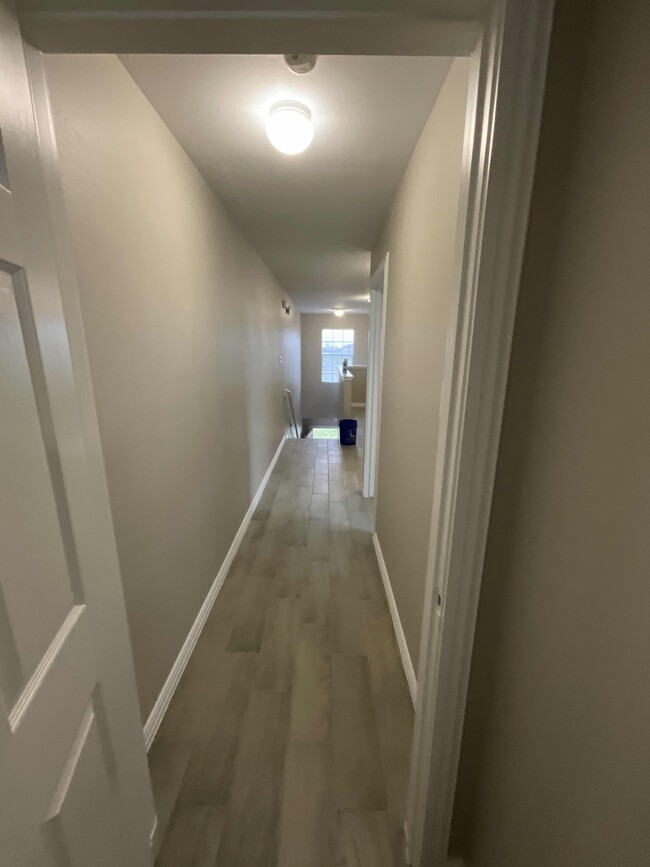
(376, 333)
(74, 785)
(500, 149)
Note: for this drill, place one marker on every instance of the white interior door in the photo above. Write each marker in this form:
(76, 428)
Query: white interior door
(376, 331)
(74, 787)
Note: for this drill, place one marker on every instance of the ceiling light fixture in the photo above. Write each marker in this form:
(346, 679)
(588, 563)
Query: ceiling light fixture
(338, 311)
(289, 127)
(301, 64)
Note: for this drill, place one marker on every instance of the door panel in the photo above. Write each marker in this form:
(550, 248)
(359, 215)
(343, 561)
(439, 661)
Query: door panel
(33, 570)
(80, 832)
(74, 789)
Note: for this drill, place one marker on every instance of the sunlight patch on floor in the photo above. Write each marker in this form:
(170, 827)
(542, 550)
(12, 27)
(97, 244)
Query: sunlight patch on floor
(325, 433)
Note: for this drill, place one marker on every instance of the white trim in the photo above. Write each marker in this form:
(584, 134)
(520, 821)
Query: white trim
(169, 687)
(376, 340)
(357, 405)
(407, 848)
(409, 671)
(152, 833)
(60, 640)
(499, 159)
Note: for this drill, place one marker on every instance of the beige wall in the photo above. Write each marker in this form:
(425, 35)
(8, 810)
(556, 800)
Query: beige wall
(555, 767)
(420, 236)
(185, 331)
(359, 383)
(321, 399)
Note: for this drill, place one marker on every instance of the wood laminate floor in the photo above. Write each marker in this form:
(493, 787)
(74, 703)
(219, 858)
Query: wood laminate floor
(288, 739)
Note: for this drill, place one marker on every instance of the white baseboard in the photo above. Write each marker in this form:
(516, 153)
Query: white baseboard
(407, 848)
(152, 833)
(409, 671)
(169, 687)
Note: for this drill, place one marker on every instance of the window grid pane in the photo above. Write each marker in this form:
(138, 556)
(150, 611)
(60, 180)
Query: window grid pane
(337, 344)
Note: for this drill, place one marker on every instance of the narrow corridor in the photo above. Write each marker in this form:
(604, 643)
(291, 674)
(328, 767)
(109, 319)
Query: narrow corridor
(288, 739)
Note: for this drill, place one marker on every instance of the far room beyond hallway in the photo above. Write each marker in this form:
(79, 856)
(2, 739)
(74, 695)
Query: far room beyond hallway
(326, 341)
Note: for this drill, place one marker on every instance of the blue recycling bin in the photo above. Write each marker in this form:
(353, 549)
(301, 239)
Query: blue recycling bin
(348, 431)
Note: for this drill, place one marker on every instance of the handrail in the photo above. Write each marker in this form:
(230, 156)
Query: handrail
(292, 415)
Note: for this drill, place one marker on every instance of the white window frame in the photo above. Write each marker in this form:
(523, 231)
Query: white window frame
(333, 373)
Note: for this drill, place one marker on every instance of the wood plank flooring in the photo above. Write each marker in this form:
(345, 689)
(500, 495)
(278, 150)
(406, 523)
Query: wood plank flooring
(288, 739)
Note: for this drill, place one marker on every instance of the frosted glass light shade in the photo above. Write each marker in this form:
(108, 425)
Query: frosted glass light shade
(289, 127)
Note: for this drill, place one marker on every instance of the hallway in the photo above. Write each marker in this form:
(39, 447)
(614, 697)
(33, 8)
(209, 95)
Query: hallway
(288, 739)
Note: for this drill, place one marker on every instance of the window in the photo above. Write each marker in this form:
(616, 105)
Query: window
(337, 344)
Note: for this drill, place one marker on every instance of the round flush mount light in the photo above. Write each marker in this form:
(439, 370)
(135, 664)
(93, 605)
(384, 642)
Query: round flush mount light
(289, 127)
(338, 311)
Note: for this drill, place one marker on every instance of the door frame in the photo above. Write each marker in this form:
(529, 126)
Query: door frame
(509, 67)
(504, 114)
(376, 333)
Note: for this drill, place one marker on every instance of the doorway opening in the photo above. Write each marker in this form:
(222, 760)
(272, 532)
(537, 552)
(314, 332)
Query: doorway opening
(475, 360)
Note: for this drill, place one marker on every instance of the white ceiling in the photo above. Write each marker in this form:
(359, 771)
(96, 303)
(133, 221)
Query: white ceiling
(313, 217)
